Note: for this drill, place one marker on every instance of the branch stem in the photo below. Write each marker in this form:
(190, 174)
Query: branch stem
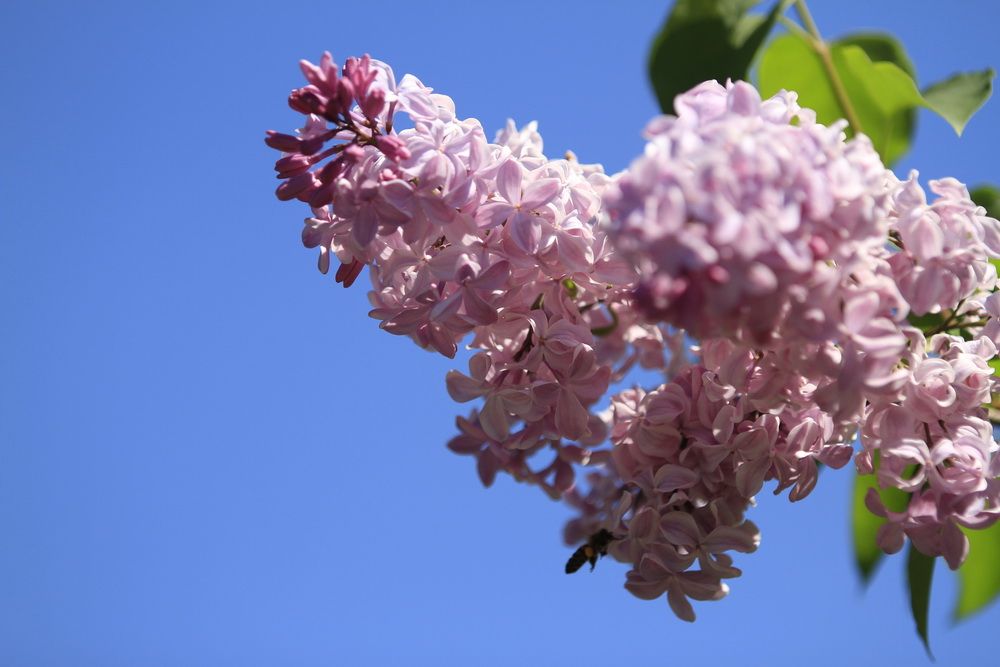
(823, 51)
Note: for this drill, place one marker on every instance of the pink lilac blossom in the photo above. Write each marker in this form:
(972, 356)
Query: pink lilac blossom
(741, 221)
(934, 441)
(791, 255)
(944, 246)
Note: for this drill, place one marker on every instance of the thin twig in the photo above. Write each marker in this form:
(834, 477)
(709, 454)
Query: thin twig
(823, 51)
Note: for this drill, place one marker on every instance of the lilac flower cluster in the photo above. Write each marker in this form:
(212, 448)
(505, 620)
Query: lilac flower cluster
(931, 437)
(792, 256)
(807, 255)
(464, 238)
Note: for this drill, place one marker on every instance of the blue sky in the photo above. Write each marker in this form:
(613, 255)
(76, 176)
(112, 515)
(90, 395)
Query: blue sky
(210, 455)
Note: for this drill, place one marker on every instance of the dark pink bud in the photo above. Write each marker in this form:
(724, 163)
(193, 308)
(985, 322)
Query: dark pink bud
(360, 72)
(353, 153)
(349, 66)
(294, 187)
(394, 148)
(348, 273)
(310, 146)
(345, 94)
(305, 195)
(323, 195)
(819, 247)
(373, 103)
(292, 165)
(324, 76)
(286, 143)
(331, 170)
(307, 100)
(312, 73)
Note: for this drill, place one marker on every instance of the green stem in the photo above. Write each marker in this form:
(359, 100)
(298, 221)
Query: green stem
(796, 28)
(823, 51)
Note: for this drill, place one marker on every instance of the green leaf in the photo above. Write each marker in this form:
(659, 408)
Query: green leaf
(790, 63)
(926, 322)
(955, 99)
(706, 39)
(884, 97)
(919, 571)
(987, 196)
(881, 47)
(882, 93)
(865, 525)
(979, 576)
(878, 80)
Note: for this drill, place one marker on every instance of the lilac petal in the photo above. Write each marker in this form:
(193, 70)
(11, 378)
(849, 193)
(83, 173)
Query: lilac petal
(575, 252)
(324, 261)
(874, 503)
(702, 585)
(743, 99)
(836, 456)
(509, 178)
(991, 235)
(925, 240)
(722, 425)
(465, 444)
(642, 589)
(493, 213)
(312, 233)
(751, 475)
(679, 603)
(643, 524)
(487, 466)
(672, 558)
(493, 278)
(955, 545)
(364, 227)
(398, 194)
(477, 309)
(712, 455)
(447, 308)
(414, 98)
(462, 388)
(889, 537)
(493, 419)
(652, 569)
(441, 341)
(719, 566)
(806, 483)
(571, 416)
(436, 171)
(679, 528)
(671, 477)
(860, 310)
(730, 538)
(563, 481)
(539, 193)
(526, 232)
(461, 194)
(406, 322)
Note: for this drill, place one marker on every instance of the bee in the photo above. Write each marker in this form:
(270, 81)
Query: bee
(595, 547)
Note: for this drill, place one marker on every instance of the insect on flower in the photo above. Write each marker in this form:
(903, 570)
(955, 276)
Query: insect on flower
(595, 547)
